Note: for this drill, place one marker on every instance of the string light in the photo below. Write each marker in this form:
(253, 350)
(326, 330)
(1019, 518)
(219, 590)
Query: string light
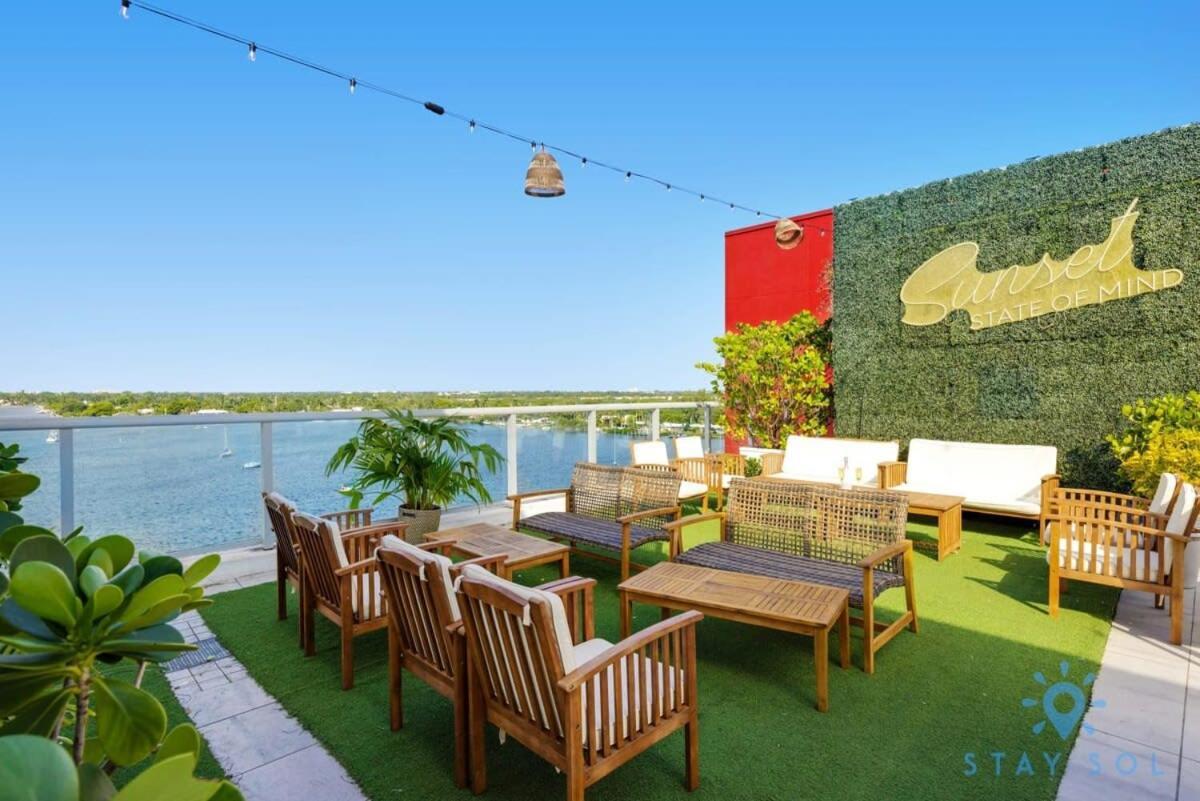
(583, 162)
(472, 124)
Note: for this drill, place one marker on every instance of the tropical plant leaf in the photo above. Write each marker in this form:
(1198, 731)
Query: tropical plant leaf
(45, 590)
(9, 519)
(31, 662)
(13, 535)
(183, 739)
(172, 778)
(25, 688)
(18, 485)
(40, 715)
(130, 721)
(129, 579)
(105, 600)
(162, 565)
(76, 546)
(3, 584)
(201, 569)
(22, 619)
(100, 558)
(120, 550)
(43, 549)
(39, 767)
(151, 594)
(158, 643)
(164, 610)
(94, 784)
(92, 578)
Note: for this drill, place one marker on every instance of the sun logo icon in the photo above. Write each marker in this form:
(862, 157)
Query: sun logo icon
(1064, 721)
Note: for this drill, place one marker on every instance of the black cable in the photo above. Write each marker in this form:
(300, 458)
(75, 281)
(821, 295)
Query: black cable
(438, 109)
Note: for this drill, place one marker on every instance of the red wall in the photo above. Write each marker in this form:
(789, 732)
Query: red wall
(764, 282)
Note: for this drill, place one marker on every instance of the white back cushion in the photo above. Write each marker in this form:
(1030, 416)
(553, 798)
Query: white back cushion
(824, 455)
(429, 561)
(689, 448)
(653, 452)
(558, 612)
(334, 534)
(981, 469)
(1177, 523)
(1162, 496)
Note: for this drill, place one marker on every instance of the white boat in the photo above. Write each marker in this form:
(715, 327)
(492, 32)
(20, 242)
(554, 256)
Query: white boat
(52, 437)
(251, 465)
(228, 451)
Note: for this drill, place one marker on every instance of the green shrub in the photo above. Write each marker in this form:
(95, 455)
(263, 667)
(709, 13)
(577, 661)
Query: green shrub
(773, 379)
(1175, 452)
(1147, 419)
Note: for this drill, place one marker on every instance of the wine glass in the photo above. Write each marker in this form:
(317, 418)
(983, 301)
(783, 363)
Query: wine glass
(858, 474)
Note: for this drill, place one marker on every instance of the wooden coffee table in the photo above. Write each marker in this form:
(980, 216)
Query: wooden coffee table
(522, 550)
(795, 606)
(948, 511)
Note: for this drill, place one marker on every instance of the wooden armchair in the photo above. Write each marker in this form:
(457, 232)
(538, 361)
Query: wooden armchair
(693, 473)
(1121, 545)
(1163, 502)
(425, 632)
(340, 580)
(585, 708)
(287, 557)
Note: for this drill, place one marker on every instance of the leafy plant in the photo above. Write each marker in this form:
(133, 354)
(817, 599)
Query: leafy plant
(426, 462)
(1146, 419)
(773, 379)
(1176, 451)
(753, 467)
(75, 605)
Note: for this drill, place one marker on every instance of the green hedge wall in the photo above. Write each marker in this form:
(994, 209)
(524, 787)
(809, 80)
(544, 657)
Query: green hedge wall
(1058, 379)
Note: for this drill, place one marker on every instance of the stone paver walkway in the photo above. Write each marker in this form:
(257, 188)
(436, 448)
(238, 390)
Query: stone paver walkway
(1144, 741)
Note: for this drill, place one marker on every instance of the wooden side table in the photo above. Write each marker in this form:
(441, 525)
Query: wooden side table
(948, 511)
(484, 539)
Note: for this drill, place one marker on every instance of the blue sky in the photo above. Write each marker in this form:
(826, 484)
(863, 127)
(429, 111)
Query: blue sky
(173, 216)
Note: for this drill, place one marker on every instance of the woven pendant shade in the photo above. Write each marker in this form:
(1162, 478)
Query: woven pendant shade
(544, 178)
(788, 234)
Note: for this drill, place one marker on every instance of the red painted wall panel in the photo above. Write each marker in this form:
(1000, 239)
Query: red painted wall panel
(764, 282)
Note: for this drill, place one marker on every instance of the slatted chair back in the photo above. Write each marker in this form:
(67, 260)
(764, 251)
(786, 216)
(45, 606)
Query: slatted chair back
(324, 553)
(606, 492)
(515, 645)
(421, 605)
(279, 512)
(816, 520)
(689, 448)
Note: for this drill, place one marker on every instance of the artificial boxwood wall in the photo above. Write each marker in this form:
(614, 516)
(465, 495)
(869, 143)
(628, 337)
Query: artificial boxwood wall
(1059, 379)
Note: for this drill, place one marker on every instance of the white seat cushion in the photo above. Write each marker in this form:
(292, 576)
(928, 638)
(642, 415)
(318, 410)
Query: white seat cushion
(868, 480)
(992, 477)
(689, 448)
(691, 489)
(1134, 564)
(976, 502)
(558, 612)
(653, 452)
(429, 561)
(820, 458)
(634, 705)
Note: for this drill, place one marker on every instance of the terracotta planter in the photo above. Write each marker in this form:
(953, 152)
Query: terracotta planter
(420, 522)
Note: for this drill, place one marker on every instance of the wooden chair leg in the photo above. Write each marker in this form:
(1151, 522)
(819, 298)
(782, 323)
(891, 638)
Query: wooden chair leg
(575, 785)
(868, 621)
(1055, 588)
(308, 634)
(624, 564)
(280, 588)
(460, 732)
(477, 725)
(395, 679)
(910, 594)
(1176, 612)
(691, 745)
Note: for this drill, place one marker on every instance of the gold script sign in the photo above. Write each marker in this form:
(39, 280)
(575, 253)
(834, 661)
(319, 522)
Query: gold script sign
(1093, 274)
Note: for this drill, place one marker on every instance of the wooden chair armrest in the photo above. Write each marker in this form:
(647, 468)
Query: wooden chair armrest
(884, 553)
(892, 473)
(520, 496)
(570, 589)
(362, 566)
(377, 530)
(771, 463)
(661, 511)
(684, 522)
(575, 679)
(488, 563)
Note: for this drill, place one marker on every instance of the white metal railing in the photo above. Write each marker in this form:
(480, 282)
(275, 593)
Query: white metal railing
(66, 427)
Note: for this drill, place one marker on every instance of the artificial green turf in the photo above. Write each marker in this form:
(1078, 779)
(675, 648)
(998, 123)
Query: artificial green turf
(955, 687)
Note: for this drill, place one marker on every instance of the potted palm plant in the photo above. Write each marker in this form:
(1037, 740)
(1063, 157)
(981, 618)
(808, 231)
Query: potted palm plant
(427, 463)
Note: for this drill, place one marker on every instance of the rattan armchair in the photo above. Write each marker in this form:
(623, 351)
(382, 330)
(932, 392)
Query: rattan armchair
(340, 580)
(585, 708)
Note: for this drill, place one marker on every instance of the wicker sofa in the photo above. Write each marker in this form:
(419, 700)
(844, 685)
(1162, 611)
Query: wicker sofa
(801, 531)
(609, 508)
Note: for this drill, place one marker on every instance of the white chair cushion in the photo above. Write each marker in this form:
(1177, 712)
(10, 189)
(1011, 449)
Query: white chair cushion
(976, 502)
(429, 561)
(689, 448)
(1162, 496)
(1133, 560)
(334, 533)
(691, 489)
(653, 452)
(868, 480)
(820, 458)
(634, 705)
(558, 612)
(1003, 477)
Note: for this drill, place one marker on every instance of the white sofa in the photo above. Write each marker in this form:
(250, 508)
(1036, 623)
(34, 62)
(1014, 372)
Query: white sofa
(820, 458)
(995, 479)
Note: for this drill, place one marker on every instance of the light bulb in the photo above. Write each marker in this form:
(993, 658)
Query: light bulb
(628, 175)
(124, 9)
(702, 198)
(353, 85)
(583, 162)
(471, 126)
(253, 52)
(668, 187)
